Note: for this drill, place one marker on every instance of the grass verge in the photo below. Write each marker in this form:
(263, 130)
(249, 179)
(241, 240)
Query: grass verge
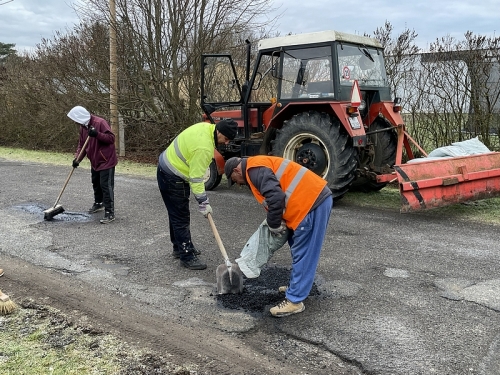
(39, 340)
(481, 211)
(65, 159)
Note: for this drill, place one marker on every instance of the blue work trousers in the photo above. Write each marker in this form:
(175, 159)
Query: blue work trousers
(175, 193)
(305, 246)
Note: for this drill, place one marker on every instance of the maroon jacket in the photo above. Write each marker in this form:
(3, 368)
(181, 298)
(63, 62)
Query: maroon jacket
(101, 149)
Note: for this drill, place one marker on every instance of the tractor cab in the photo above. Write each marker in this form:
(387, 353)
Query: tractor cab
(324, 101)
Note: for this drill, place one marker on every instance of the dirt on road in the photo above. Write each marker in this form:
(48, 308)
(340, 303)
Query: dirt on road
(170, 348)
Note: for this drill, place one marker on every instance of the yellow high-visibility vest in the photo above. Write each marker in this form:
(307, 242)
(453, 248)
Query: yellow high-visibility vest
(190, 154)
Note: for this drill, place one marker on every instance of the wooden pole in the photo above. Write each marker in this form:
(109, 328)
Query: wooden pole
(113, 78)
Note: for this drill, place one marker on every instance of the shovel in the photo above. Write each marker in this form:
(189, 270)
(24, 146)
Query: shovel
(229, 276)
(57, 209)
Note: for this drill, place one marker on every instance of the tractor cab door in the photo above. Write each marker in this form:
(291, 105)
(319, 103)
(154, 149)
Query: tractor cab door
(220, 86)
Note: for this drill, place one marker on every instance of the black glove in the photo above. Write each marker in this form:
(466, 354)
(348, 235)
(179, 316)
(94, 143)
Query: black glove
(76, 163)
(92, 132)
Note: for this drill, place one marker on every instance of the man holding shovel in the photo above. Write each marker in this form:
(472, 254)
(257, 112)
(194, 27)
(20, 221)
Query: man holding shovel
(297, 199)
(181, 168)
(101, 152)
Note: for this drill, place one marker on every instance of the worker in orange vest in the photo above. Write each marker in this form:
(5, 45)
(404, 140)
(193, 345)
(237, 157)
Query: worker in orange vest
(295, 198)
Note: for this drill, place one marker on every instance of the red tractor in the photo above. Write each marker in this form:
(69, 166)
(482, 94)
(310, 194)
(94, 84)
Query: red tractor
(323, 100)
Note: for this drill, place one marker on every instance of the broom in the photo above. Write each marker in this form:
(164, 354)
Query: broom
(6, 304)
(57, 209)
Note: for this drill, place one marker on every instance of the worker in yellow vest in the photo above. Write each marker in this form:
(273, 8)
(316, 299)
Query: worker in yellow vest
(181, 168)
(297, 199)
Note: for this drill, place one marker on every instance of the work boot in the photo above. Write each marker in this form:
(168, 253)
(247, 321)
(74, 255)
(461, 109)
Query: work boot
(177, 253)
(286, 308)
(96, 208)
(108, 218)
(194, 263)
(282, 289)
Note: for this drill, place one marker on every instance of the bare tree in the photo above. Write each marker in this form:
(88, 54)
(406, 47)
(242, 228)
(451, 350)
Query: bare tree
(450, 93)
(160, 45)
(159, 48)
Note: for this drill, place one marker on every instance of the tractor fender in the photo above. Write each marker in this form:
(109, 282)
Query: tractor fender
(386, 111)
(338, 109)
(219, 161)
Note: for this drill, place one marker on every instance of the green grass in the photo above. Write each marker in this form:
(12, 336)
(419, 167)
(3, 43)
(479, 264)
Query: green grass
(39, 340)
(65, 159)
(485, 211)
(42, 348)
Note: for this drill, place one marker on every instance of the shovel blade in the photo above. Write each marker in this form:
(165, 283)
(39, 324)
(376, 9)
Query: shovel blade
(49, 214)
(229, 279)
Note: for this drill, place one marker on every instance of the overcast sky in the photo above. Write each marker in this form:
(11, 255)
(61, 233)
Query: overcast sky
(26, 22)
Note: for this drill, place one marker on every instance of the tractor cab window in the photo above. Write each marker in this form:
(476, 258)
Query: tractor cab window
(265, 86)
(307, 73)
(361, 63)
(220, 83)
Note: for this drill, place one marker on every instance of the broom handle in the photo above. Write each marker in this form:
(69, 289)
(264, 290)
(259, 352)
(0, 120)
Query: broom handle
(217, 237)
(71, 173)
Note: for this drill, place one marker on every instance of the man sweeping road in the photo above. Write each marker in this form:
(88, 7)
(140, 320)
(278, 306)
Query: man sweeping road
(101, 152)
(181, 168)
(294, 198)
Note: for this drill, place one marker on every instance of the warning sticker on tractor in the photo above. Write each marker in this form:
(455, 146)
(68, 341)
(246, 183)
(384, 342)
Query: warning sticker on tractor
(354, 122)
(346, 73)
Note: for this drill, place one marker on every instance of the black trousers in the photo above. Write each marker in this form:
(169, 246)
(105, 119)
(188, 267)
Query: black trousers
(175, 193)
(103, 183)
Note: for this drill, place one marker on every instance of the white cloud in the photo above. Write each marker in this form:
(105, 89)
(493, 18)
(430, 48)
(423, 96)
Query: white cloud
(26, 22)
(430, 19)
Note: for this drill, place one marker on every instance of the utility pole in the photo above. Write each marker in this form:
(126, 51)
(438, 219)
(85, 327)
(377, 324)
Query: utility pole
(113, 80)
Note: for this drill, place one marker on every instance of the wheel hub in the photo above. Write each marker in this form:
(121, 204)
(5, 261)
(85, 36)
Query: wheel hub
(312, 157)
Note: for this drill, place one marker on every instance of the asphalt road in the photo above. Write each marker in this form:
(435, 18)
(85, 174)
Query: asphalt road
(399, 293)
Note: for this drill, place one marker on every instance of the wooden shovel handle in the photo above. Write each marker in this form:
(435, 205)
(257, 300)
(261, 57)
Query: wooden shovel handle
(217, 237)
(71, 173)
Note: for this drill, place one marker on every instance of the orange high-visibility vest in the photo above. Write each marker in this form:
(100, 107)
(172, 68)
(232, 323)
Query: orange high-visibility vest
(301, 186)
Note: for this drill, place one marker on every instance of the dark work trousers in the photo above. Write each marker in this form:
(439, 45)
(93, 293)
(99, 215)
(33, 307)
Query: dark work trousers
(175, 193)
(103, 183)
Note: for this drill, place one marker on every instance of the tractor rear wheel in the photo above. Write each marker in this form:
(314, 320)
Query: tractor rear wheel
(212, 177)
(319, 142)
(383, 154)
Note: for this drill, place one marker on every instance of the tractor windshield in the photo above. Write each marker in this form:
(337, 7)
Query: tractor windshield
(307, 73)
(361, 63)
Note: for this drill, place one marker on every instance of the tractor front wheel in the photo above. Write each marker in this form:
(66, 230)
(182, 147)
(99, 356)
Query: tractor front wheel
(319, 142)
(212, 178)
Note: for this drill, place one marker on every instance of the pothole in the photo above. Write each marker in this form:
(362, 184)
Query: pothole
(65, 216)
(261, 291)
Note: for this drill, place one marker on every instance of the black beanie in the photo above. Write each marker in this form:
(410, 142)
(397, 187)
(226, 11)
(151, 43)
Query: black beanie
(227, 128)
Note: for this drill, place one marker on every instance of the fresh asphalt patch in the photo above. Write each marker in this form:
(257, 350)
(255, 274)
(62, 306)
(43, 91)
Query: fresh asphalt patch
(261, 292)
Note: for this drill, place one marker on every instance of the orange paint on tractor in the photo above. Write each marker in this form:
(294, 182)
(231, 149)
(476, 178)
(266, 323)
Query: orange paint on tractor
(332, 111)
(437, 183)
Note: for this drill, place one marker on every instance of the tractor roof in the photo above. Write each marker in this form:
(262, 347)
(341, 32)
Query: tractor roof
(318, 37)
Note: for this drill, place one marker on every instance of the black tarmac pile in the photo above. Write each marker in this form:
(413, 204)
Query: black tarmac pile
(261, 291)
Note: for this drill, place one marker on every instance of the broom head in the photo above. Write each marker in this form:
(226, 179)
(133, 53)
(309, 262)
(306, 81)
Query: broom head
(53, 211)
(6, 304)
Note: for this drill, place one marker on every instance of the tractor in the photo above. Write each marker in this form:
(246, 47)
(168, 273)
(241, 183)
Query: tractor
(323, 100)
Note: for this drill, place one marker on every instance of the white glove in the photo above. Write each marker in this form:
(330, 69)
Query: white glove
(280, 231)
(205, 208)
